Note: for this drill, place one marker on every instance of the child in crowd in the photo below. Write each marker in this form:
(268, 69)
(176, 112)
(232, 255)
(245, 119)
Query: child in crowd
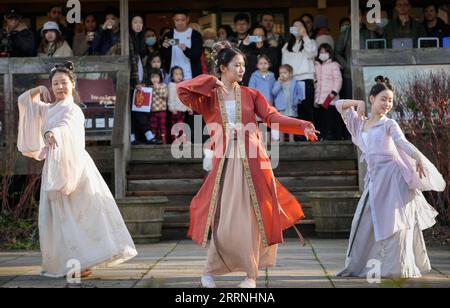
(176, 107)
(158, 112)
(328, 84)
(155, 62)
(263, 79)
(288, 94)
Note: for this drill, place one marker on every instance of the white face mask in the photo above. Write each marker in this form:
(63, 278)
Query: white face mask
(294, 31)
(324, 57)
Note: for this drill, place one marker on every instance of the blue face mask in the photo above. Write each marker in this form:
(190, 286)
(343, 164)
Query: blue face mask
(383, 23)
(344, 28)
(150, 41)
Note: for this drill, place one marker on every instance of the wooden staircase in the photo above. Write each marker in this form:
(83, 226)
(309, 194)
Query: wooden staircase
(302, 168)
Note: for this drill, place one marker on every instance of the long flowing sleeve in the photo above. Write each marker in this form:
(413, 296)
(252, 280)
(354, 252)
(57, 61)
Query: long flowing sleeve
(195, 93)
(271, 116)
(30, 141)
(65, 164)
(350, 117)
(409, 154)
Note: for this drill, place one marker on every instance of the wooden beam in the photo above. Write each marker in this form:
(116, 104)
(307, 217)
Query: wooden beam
(394, 57)
(90, 64)
(124, 28)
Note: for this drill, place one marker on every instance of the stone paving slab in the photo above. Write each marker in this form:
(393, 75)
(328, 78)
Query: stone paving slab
(179, 264)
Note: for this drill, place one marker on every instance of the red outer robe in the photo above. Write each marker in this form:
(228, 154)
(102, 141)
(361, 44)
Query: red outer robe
(276, 209)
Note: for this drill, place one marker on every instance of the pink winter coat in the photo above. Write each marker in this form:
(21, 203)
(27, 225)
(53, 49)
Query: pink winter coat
(329, 78)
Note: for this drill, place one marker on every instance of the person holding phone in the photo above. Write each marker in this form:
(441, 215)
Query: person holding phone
(259, 46)
(182, 47)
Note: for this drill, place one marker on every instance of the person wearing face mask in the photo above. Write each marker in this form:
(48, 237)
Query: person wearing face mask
(299, 53)
(151, 41)
(328, 79)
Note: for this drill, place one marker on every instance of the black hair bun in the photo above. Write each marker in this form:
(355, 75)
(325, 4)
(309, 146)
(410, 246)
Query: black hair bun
(382, 79)
(69, 65)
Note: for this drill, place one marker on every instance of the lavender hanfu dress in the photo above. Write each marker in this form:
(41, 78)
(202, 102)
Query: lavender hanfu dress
(388, 223)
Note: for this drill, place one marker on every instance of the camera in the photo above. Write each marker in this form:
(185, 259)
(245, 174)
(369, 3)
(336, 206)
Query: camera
(173, 42)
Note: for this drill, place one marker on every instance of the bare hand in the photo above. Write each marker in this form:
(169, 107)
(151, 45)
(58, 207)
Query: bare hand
(166, 44)
(182, 46)
(420, 169)
(139, 87)
(220, 86)
(51, 141)
(310, 133)
(45, 94)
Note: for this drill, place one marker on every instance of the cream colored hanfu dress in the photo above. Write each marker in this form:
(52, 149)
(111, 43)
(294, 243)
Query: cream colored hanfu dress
(79, 220)
(386, 234)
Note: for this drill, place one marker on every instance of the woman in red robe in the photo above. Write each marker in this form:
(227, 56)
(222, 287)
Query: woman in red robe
(241, 202)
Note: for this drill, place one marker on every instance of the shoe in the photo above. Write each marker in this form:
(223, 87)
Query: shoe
(208, 282)
(247, 283)
(135, 142)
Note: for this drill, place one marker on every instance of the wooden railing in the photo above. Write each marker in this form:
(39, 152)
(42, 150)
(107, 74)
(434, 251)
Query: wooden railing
(113, 65)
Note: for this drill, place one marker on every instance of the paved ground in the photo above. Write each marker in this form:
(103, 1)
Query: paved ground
(179, 264)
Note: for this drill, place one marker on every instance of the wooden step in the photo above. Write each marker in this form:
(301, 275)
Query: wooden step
(288, 182)
(326, 150)
(197, 175)
(194, 191)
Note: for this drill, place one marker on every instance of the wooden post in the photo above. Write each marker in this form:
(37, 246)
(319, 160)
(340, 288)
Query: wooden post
(355, 25)
(9, 109)
(357, 78)
(124, 28)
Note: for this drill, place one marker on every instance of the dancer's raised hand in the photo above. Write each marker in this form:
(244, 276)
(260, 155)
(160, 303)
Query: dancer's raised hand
(45, 94)
(220, 86)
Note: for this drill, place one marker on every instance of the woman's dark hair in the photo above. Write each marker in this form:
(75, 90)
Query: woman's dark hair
(59, 41)
(137, 40)
(259, 27)
(293, 39)
(223, 54)
(328, 49)
(155, 72)
(67, 68)
(173, 69)
(382, 84)
(227, 29)
(345, 19)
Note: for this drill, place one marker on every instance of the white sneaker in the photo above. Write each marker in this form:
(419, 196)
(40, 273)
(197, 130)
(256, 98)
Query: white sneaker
(208, 282)
(247, 283)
